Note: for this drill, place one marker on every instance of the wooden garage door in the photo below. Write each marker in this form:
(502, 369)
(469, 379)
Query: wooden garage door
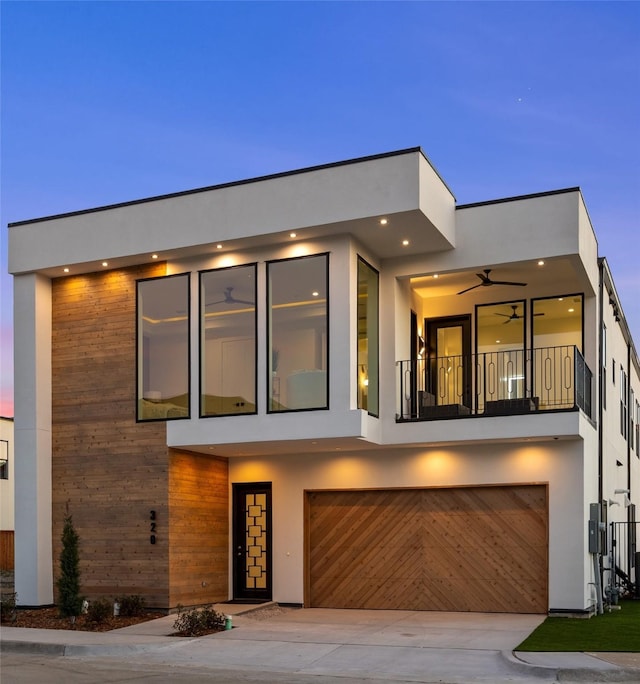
(480, 549)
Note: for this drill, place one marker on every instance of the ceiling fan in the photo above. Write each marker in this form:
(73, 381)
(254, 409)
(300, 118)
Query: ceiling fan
(514, 316)
(486, 281)
(229, 298)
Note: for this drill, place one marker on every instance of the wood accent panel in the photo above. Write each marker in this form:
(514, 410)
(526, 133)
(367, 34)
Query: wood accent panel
(480, 549)
(199, 536)
(6, 550)
(108, 471)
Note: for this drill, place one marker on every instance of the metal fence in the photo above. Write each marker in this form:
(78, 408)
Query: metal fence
(494, 383)
(624, 575)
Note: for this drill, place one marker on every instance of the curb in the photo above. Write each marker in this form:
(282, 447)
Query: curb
(586, 675)
(613, 673)
(527, 668)
(40, 648)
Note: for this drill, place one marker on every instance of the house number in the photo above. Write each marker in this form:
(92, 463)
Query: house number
(152, 518)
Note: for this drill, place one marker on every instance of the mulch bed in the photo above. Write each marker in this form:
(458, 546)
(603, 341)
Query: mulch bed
(49, 618)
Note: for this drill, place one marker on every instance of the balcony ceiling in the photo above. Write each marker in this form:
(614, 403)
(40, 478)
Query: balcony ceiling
(558, 275)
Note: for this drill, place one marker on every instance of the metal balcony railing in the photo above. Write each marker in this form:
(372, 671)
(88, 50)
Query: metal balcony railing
(494, 383)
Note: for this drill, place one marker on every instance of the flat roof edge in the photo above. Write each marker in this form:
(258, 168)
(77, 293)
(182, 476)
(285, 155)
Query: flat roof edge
(220, 186)
(519, 197)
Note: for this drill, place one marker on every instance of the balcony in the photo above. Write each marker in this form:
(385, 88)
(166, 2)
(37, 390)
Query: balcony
(503, 383)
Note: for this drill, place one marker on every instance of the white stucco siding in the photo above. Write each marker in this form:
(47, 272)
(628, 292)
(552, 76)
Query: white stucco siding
(32, 298)
(436, 200)
(266, 208)
(558, 464)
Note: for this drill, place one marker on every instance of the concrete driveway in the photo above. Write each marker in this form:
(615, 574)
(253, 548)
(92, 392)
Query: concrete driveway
(278, 644)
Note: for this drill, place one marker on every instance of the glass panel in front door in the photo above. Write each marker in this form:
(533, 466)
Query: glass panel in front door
(450, 367)
(256, 541)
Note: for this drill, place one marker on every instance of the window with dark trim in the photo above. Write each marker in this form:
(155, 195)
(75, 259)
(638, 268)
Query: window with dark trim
(603, 364)
(4, 459)
(637, 428)
(298, 333)
(163, 357)
(624, 417)
(228, 341)
(368, 337)
(632, 431)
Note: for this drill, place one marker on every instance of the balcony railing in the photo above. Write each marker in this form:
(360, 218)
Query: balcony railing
(494, 383)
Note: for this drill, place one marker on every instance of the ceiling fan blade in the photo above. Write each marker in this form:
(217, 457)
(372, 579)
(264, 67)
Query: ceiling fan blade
(507, 282)
(240, 301)
(471, 288)
(501, 314)
(509, 320)
(222, 301)
(539, 314)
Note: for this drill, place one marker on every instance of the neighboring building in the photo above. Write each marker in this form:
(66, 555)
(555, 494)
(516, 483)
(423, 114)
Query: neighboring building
(6, 493)
(330, 387)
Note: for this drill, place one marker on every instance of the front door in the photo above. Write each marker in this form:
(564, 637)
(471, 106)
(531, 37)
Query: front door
(252, 541)
(449, 360)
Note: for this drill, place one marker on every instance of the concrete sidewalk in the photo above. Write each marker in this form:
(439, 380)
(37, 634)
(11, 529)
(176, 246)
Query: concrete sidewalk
(382, 645)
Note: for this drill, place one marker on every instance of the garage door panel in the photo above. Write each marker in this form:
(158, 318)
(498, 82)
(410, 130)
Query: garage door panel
(473, 548)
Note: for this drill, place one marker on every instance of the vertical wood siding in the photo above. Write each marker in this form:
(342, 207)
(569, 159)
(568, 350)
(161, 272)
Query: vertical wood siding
(6, 550)
(199, 536)
(108, 471)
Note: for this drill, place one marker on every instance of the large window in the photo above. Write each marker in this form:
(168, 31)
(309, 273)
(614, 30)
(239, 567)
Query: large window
(4, 459)
(624, 416)
(228, 341)
(163, 347)
(368, 384)
(297, 351)
(500, 339)
(556, 333)
(557, 322)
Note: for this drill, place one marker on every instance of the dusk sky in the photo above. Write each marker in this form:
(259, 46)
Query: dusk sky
(104, 102)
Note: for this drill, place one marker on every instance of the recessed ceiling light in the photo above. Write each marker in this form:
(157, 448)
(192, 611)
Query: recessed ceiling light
(292, 235)
(315, 294)
(105, 263)
(154, 256)
(435, 275)
(218, 246)
(405, 243)
(541, 263)
(66, 269)
(570, 310)
(497, 341)
(383, 221)
(560, 299)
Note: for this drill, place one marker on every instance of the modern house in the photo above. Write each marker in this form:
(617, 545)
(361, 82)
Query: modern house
(334, 387)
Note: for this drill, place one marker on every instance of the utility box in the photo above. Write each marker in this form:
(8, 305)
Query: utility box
(594, 528)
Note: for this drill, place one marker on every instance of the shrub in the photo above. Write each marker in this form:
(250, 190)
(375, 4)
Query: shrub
(198, 621)
(131, 606)
(99, 610)
(69, 599)
(8, 607)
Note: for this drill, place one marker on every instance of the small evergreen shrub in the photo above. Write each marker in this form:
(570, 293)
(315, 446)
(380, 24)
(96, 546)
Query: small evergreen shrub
(69, 599)
(99, 610)
(131, 606)
(198, 621)
(8, 607)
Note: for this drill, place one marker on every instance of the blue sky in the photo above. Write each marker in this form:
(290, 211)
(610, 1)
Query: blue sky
(110, 101)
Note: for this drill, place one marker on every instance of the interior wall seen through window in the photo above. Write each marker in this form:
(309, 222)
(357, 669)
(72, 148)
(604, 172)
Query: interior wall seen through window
(163, 347)
(368, 338)
(228, 341)
(298, 333)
